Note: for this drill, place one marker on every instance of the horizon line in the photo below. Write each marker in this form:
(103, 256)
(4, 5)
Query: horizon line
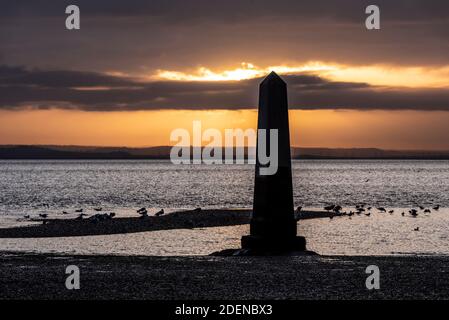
(202, 146)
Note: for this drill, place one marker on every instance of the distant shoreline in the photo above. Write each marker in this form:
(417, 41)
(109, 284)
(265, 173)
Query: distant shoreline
(51, 152)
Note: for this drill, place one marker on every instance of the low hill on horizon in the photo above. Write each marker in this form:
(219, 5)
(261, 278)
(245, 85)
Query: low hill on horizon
(163, 152)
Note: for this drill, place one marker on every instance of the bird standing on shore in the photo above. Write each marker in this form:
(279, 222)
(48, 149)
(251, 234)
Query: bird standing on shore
(329, 208)
(159, 213)
(43, 215)
(382, 209)
(337, 209)
(436, 207)
(143, 213)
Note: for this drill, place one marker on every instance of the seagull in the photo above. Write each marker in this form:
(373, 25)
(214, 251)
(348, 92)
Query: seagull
(98, 209)
(421, 207)
(368, 214)
(159, 213)
(79, 210)
(27, 216)
(112, 215)
(65, 212)
(328, 208)
(413, 212)
(43, 215)
(427, 211)
(403, 213)
(337, 208)
(298, 209)
(369, 208)
(391, 211)
(436, 207)
(360, 209)
(416, 229)
(141, 210)
(382, 209)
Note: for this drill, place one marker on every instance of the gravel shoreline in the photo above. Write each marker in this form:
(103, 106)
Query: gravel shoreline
(42, 276)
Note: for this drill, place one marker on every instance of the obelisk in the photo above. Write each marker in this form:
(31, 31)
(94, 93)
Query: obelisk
(273, 225)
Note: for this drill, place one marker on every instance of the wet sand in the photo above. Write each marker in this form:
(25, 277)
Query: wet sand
(42, 276)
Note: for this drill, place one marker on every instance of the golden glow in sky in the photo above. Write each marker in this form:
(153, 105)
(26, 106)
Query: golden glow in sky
(313, 128)
(382, 75)
(245, 71)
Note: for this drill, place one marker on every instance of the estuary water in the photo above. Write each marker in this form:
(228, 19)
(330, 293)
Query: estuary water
(33, 187)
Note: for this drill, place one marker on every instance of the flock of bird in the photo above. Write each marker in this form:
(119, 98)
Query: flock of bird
(336, 210)
(143, 212)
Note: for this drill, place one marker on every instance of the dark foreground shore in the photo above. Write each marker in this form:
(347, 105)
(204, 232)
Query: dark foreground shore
(42, 276)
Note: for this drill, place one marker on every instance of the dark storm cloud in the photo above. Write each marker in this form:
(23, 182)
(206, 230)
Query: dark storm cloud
(21, 87)
(175, 34)
(233, 10)
(59, 78)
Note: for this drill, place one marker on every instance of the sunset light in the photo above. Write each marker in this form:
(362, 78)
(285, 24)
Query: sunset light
(382, 75)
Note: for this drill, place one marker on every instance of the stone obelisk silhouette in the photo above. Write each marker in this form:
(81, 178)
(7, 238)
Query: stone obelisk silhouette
(273, 225)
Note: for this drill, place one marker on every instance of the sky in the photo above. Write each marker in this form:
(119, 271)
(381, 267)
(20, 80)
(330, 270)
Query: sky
(137, 70)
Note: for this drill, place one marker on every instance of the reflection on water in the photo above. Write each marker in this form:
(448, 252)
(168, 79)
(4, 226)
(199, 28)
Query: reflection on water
(379, 234)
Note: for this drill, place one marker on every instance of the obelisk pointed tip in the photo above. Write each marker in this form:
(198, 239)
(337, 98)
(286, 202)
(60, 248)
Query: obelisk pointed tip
(273, 77)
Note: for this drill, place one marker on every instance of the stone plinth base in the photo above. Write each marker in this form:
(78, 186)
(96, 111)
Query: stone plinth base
(296, 243)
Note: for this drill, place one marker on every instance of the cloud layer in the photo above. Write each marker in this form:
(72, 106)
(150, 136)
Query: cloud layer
(94, 91)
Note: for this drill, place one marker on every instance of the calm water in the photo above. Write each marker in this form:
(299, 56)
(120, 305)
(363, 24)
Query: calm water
(52, 186)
